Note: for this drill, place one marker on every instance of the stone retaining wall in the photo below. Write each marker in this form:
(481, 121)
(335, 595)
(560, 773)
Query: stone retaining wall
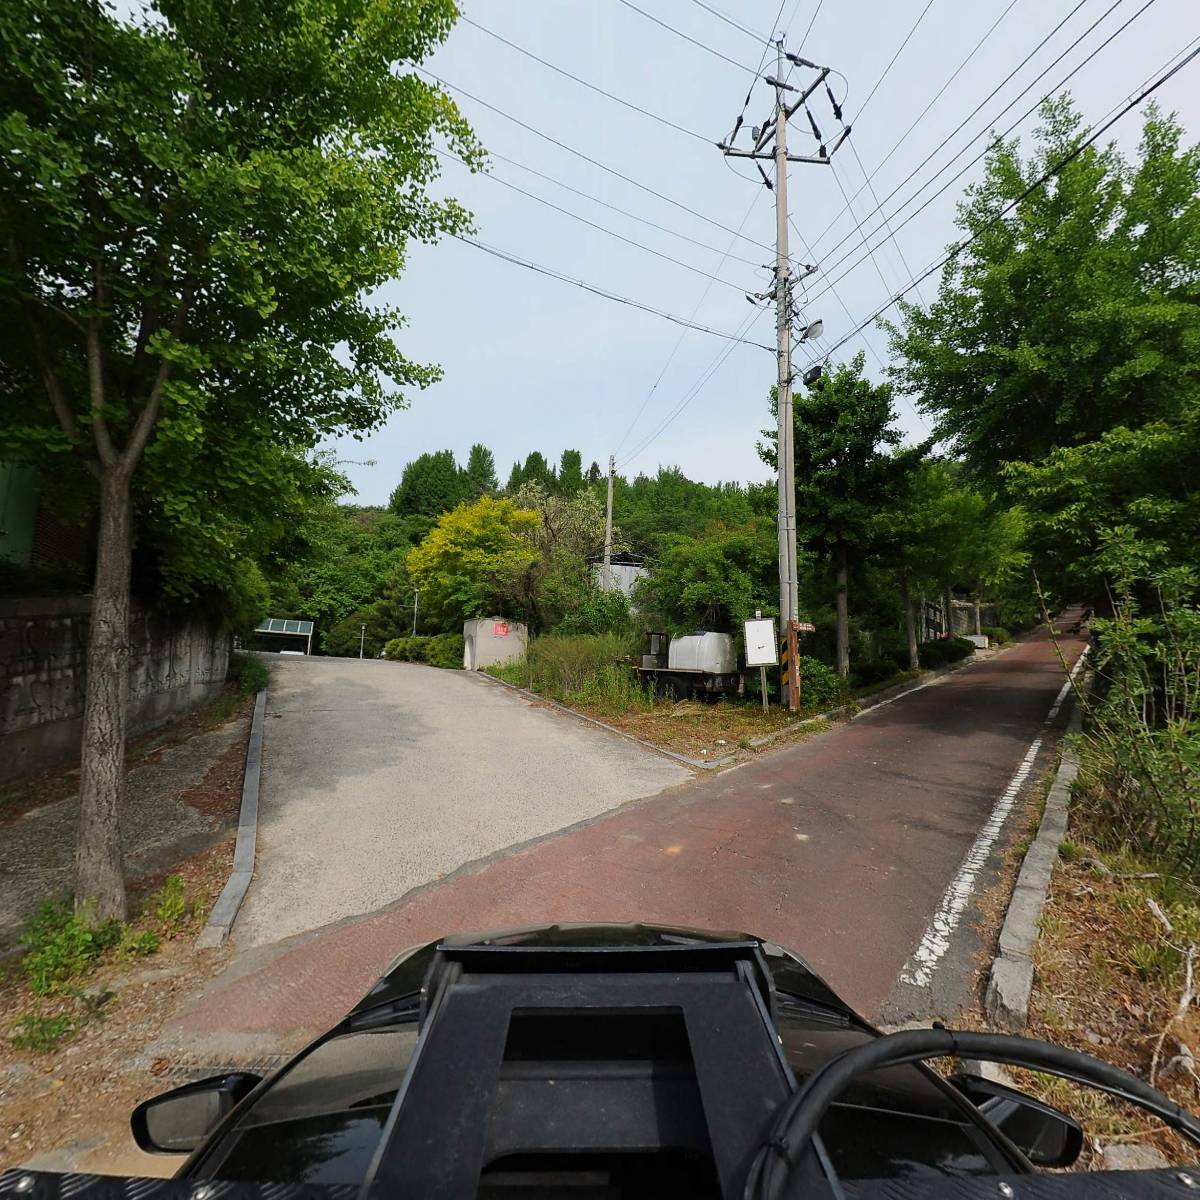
(174, 667)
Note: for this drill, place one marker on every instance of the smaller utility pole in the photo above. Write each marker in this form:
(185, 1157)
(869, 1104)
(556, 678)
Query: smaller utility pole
(607, 573)
(416, 597)
(362, 637)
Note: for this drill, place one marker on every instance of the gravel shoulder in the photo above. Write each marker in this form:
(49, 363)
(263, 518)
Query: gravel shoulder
(160, 819)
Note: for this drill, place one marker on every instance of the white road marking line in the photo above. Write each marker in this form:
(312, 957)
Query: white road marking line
(919, 969)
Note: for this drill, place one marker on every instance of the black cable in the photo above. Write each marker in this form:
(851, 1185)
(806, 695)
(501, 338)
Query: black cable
(963, 170)
(529, 265)
(922, 114)
(716, 12)
(586, 158)
(601, 228)
(1079, 4)
(623, 211)
(694, 390)
(1043, 179)
(892, 63)
(886, 219)
(679, 342)
(679, 33)
(645, 112)
(800, 1116)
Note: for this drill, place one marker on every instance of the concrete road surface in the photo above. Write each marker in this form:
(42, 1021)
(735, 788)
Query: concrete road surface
(845, 848)
(379, 777)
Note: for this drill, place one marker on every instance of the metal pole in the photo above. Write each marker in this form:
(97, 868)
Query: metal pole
(416, 597)
(789, 607)
(607, 573)
(362, 637)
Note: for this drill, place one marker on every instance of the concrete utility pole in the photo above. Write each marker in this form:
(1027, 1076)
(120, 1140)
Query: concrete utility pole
(607, 571)
(789, 590)
(416, 597)
(362, 637)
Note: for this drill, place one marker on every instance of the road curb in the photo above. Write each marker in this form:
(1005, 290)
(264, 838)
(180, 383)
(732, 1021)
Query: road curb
(228, 904)
(1010, 980)
(849, 711)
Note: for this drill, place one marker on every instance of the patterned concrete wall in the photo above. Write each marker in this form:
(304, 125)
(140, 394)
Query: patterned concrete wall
(174, 666)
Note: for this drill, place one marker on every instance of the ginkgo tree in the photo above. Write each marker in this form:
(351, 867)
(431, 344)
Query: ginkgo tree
(194, 208)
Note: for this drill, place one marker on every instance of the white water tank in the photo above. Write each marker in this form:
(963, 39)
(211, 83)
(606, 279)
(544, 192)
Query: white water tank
(701, 651)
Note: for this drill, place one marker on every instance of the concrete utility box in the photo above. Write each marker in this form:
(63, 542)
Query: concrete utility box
(978, 640)
(490, 641)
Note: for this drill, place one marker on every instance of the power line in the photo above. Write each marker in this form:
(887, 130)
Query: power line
(1041, 181)
(615, 208)
(963, 170)
(530, 265)
(601, 228)
(887, 220)
(586, 158)
(892, 63)
(645, 112)
(679, 341)
(922, 114)
(707, 374)
(686, 37)
(716, 12)
(975, 110)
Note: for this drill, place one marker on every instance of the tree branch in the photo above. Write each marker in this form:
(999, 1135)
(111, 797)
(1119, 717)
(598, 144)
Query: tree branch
(95, 363)
(149, 414)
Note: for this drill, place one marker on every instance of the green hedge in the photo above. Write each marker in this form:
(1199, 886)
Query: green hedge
(997, 634)
(945, 651)
(821, 687)
(443, 650)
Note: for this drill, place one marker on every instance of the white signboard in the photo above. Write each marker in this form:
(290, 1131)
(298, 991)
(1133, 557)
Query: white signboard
(762, 645)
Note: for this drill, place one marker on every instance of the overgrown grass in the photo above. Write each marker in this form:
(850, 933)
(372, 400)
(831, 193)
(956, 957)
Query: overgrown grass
(585, 670)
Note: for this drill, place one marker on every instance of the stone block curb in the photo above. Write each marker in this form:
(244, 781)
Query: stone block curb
(228, 904)
(1010, 981)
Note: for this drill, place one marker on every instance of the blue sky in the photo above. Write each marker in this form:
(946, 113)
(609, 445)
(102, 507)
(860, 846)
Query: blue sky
(533, 363)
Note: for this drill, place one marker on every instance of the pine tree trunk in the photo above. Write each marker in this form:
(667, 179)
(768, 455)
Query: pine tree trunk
(843, 616)
(99, 877)
(910, 623)
(949, 600)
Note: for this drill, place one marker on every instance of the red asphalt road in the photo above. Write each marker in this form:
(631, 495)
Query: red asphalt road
(839, 847)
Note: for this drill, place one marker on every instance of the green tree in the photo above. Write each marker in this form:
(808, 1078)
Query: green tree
(195, 210)
(430, 485)
(480, 473)
(472, 561)
(535, 469)
(570, 472)
(849, 468)
(714, 581)
(1076, 313)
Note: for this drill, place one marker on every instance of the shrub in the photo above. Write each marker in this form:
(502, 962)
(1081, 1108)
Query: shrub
(872, 670)
(249, 673)
(61, 945)
(997, 634)
(821, 687)
(944, 651)
(407, 649)
(445, 650)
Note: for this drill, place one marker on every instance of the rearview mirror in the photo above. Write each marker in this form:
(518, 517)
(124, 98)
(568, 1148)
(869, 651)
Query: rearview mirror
(1047, 1137)
(179, 1120)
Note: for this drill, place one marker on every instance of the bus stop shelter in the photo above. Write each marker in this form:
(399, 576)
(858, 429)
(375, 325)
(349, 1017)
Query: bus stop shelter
(285, 627)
